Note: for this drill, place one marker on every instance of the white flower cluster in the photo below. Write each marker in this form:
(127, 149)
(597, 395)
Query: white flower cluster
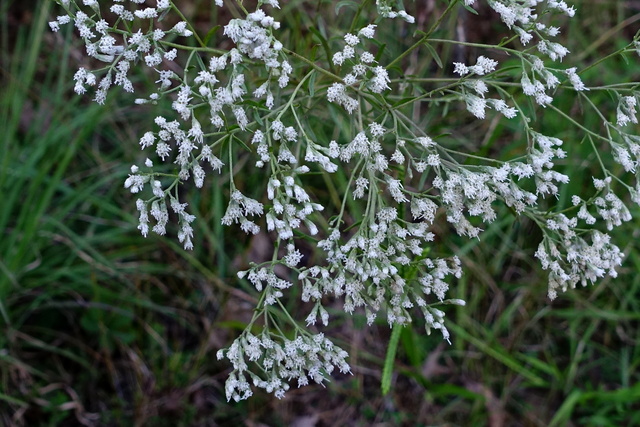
(366, 271)
(262, 104)
(385, 9)
(254, 37)
(567, 253)
(522, 17)
(241, 206)
(307, 358)
(541, 155)
(579, 261)
(291, 205)
(626, 112)
(535, 88)
(266, 279)
(376, 76)
(103, 41)
(483, 66)
(476, 103)
(612, 210)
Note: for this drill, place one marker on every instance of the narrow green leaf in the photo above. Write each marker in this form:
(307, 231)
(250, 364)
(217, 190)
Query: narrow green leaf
(210, 34)
(470, 9)
(344, 3)
(381, 48)
(312, 84)
(435, 55)
(390, 358)
(564, 413)
(499, 353)
(411, 349)
(325, 45)
(13, 400)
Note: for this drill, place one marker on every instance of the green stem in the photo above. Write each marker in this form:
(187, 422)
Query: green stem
(481, 45)
(425, 37)
(293, 95)
(192, 48)
(193, 30)
(575, 123)
(313, 64)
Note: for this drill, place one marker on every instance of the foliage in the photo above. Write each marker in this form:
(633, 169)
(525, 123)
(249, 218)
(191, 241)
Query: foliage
(133, 309)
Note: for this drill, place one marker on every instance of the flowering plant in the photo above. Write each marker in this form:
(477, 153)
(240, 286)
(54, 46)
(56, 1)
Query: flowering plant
(257, 98)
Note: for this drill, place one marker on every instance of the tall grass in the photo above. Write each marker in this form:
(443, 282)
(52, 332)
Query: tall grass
(95, 320)
(103, 327)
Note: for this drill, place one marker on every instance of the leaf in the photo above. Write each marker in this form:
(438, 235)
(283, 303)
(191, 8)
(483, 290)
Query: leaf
(258, 118)
(13, 400)
(566, 409)
(624, 58)
(433, 53)
(403, 101)
(500, 354)
(241, 143)
(325, 45)
(411, 348)
(470, 9)
(210, 34)
(312, 84)
(164, 14)
(390, 358)
(343, 3)
(381, 48)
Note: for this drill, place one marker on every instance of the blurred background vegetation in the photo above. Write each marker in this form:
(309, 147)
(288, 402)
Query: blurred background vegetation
(100, 326)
